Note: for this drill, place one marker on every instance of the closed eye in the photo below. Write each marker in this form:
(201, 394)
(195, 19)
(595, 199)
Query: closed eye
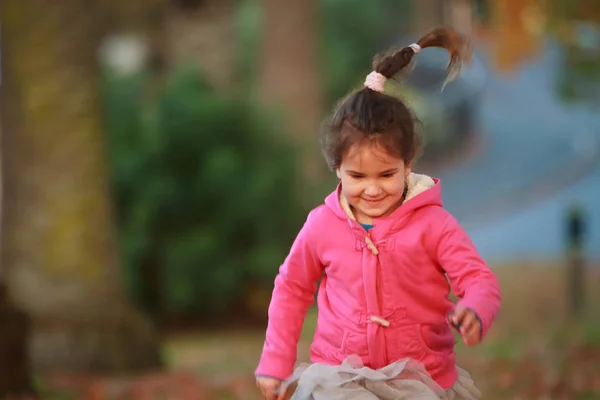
(356, 176)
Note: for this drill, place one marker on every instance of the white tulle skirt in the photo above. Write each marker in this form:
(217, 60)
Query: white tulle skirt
(404, 379)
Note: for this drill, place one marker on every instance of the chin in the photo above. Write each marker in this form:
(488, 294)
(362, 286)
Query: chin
(379, 211)
(374, 213)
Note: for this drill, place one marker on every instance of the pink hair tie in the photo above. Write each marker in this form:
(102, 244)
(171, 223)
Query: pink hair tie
(375, 81)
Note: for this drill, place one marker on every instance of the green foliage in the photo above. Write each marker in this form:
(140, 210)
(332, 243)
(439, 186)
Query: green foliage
(205, 190)
(579, 78)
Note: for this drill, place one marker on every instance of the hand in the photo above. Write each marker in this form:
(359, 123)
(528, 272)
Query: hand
(468, 324)
(270, 388)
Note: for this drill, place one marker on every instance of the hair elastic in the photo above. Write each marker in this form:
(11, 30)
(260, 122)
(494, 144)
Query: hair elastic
(416, 48)
(375, 81)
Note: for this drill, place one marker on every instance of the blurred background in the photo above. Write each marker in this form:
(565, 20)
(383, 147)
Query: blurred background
(159, 156)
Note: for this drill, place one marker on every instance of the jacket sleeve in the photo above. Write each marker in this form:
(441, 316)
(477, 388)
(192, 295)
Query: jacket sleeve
(471, 279)
(293, 293)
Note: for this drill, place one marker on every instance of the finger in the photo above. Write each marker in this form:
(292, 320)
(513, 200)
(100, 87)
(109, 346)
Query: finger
(465, 326)
(282, 392)
(263, 390)
(474, 333)
(472, 336)
(467, 323)
(276, 391)
(458, 315)
(269, 393)
(471, 339)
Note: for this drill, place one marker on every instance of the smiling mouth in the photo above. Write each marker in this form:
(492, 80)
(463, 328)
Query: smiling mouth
(374, 201)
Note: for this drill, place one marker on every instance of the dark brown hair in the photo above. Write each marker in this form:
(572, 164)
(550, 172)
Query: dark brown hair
(369, 115)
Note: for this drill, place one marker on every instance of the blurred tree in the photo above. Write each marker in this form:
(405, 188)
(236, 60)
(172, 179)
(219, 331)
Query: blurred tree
(199, 33)
(576, 24)
(290, 71)
(15, 328)
(565, 12)
(482, 11)
(347, 35)
(15, 373)
(579, 77)
(353, 34)
(145, 20)
(429, 13)
(59, 255)
(142, 25)
(194, 34)
(461, 15)
(205, 194)
(202, 33)
(131, 15)
(516, 31)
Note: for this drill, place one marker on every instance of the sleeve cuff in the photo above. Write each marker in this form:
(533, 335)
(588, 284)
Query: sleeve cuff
(481, 316)
(274, 367)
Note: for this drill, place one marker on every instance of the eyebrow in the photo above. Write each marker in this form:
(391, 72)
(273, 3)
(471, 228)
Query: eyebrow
(387, 171)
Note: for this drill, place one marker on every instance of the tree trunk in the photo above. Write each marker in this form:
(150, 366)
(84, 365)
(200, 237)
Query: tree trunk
(60, 255)
(515, 42)
(290, 71)
(146, 20)
(15, 374)
(429, 14)
(201, 33)
(459, 14)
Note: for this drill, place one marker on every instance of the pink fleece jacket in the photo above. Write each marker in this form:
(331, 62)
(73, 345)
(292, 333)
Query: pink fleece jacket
(384, 293)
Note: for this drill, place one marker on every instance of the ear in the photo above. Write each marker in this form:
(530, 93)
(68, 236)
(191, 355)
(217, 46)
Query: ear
(408, 168)
(338, 173)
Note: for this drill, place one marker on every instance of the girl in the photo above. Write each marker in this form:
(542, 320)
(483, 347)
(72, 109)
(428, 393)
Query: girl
(386, 251)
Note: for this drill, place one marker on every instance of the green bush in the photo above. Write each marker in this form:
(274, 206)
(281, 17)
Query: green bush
(205, 193)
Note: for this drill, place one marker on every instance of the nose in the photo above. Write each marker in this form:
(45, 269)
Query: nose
(372, 191)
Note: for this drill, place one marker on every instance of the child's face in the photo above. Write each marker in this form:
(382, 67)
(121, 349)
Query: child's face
(372, 181)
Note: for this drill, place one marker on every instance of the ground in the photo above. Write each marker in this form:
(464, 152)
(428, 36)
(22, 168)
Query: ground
(534, 351)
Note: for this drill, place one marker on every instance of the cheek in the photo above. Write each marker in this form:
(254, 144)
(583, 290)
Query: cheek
(394, 187)
(352, 188)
